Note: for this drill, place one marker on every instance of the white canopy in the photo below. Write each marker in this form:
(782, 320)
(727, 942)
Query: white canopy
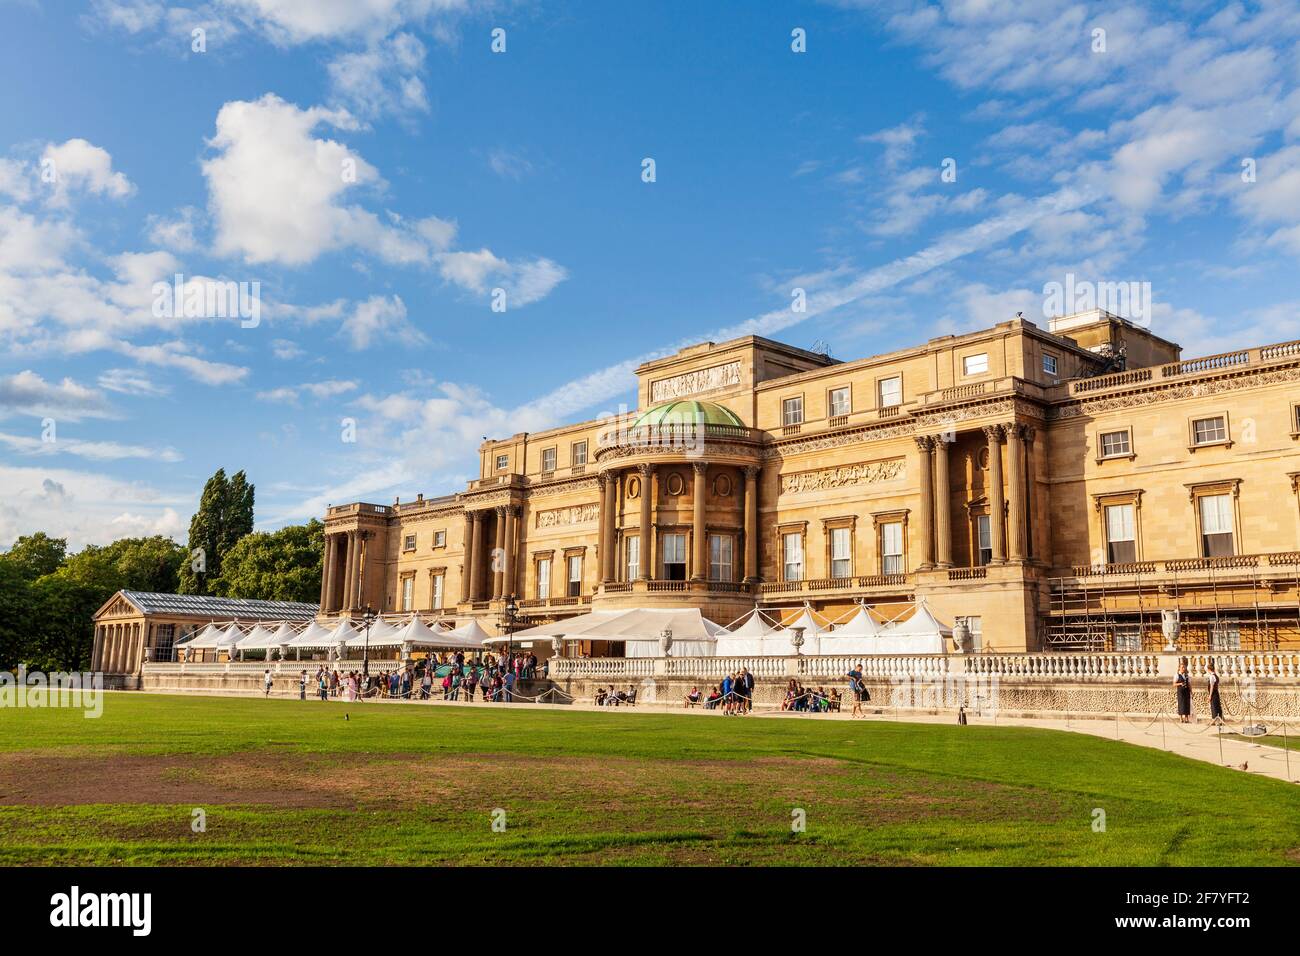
(212, 636)
(639, 629)
(746, 638)
(812, 632)
(860, 634)
(258, 639)
(922, 633)
(382, 634)
(315, 635)
(207, 634)
(469, 635)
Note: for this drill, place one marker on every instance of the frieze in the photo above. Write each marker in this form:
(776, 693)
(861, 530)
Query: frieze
(865, 473)
(695, 383)
(574, 514)
(844, 439)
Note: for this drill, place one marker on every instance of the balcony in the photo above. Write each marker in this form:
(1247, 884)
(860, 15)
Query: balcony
(830, 587)
(1223, 362)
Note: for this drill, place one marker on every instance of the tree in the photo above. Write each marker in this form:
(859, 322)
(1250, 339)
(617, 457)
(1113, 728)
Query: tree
(133, 564)
(282, 565)
(37, 554)
(225, 515)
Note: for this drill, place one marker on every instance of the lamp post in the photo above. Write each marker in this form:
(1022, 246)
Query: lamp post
(511, 612)
(367, 618)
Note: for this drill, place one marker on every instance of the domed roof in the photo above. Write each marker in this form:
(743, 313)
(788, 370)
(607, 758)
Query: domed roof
(687, 413)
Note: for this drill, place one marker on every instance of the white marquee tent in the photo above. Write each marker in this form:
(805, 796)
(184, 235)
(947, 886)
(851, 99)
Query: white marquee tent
(860, 634)
(922, 633)
(639, 630)
(315, 635)
(747, 637)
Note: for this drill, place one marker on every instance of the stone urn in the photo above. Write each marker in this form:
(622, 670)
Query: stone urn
(665, 642)
(557, 645)
(284, 652)
(961, 635)
(340, 650)
(1170, 624)
(797, 639)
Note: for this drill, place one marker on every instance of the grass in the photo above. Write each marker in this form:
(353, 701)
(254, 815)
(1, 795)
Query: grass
(1280, 741)
(287, 782)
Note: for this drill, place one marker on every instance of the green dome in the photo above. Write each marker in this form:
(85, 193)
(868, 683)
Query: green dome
(687, 413)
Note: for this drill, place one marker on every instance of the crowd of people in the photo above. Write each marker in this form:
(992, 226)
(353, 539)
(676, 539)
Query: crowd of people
(806, 700)
(453, 675)
(609, 697)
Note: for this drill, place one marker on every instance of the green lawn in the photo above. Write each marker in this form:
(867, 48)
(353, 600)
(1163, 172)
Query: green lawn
(286, 782)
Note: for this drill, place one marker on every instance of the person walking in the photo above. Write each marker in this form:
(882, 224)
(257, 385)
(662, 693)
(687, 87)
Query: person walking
(323, 685)
(302, 685)
(267, 680)
(856, 687)
(1183, 692)
(1212, 685)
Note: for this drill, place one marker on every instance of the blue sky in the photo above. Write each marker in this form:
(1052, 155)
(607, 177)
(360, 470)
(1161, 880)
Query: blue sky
(379, 170)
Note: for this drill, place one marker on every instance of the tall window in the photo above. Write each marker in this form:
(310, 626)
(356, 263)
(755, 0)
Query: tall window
(721, 561)
(503, 462)
(1216, 526)
(984, 538)
(548, 459)
(890, 392)
(792, 411)
(840, 403)
(543, 578)
(1128, 638)
(440, 539)
(1225, 636)
(408, 543)
(1209, 431)
(163, 638)
(891, 548)
(675, 557)
(436, 603)
(975, 364)
(792, 557)
(579, 453)
(408, 593)
(633, 545)
(841, 553)
(1121, 534)
(575, 575)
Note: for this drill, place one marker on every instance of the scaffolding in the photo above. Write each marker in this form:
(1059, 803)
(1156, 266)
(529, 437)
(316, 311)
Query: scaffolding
(1244, 602)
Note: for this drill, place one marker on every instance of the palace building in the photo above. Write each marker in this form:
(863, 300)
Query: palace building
(1057, 488)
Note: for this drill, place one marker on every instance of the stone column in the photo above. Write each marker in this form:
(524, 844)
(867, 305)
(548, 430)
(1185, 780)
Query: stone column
(324, 571)
(943, 505)
(476, 559)
(508, 562)
(467, 559)
(751, 524)
(611, 529)
(645, 571)
(699, 530)
(997, 506)
(328, 572)
(1027, 432)
(925, 448)
(602, 532)
(95, 648)
(349, 572)
(358, 582)
(1016, 471)
(498, 577)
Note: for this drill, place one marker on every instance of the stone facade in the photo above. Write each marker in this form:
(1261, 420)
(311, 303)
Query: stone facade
(1057, 488)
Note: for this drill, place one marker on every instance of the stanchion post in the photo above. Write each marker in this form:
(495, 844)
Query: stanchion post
(1286, 749)
(1161, 718)
(1220, 742)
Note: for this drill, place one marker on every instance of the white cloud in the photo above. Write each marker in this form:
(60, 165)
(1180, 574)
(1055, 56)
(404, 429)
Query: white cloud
(382, 79)
(291, 393)
(524, 282)
(175, 234)
(27, 393)
(79, 166)
(85, 507)
(130, 382)
(93, 450)
(380, 319)
(509, 165)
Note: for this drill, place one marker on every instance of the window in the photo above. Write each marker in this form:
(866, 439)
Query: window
(1225, 636)
(1115, 444)
(578, 453)
(1216, 525)
(976, 624)
(548, 459)
(721, 560)
(408, 592)
(575, 575)
(408, 543)
(1121, 535)
(163, 638)
(840, 403)
(891, 548)
(675, 557)
(440, 539)
(1128, 639)
(889, 391)
(975, 364)
(633, 545)
(792, 411)
(436, 601)
(503, 462)
(792, 557)
(984, 538)
(841, 552)
(1209, 431)
(1049, 364)
(543, 578)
